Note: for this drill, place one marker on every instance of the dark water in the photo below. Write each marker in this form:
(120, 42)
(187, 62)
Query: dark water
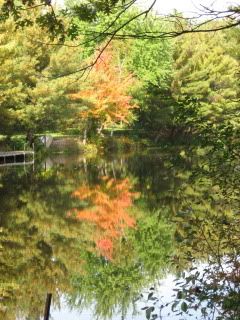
(109, 236)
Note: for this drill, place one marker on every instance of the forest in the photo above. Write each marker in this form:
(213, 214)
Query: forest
(145, 187)
(184, 85)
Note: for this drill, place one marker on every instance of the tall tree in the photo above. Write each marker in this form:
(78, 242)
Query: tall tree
(28, 99)
(206, 73)
(105, 97)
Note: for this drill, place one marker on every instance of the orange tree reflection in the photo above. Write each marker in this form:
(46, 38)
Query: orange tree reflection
(107, 212)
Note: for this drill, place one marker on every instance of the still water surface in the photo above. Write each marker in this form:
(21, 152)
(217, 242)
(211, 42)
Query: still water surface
(109, 236)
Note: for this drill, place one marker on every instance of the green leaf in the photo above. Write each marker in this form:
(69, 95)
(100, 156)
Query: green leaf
(150, 295)
(174, 306)
(144, 308)
(184, 307)
(180, 295)
(148, 312)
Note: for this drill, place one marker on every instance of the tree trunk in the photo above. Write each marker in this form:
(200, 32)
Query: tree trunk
(30, 138)
(99, 130)
(85, 136)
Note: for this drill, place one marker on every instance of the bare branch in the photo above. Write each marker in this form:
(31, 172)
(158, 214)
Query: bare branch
(229, 19)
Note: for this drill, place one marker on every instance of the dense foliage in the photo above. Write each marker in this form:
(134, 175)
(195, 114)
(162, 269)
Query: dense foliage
(189, 84)
(103, 230)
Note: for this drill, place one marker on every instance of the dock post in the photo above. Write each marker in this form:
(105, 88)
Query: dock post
(24, 152)
(47, 306)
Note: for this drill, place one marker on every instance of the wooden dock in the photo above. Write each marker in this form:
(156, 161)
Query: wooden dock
(10, 158)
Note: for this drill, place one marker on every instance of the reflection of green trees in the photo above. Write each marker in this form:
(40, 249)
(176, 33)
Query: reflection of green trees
(142, 256)
(38, 244)
(200, 199)
(43, 250)
(213, 288)
(187, 209)
(207, 231)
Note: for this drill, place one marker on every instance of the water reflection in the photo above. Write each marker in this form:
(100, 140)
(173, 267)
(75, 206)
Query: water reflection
(99, 232)
(105, 207)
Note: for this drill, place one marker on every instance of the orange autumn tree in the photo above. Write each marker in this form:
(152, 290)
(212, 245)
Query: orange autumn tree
(107, 212)
(105, 97)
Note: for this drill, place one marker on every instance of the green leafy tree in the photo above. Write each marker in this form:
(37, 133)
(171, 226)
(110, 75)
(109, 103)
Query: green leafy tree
(152, 68)
(207, 75)
(29, 100)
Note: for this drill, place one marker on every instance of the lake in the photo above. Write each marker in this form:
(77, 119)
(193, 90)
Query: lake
(150, 234)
